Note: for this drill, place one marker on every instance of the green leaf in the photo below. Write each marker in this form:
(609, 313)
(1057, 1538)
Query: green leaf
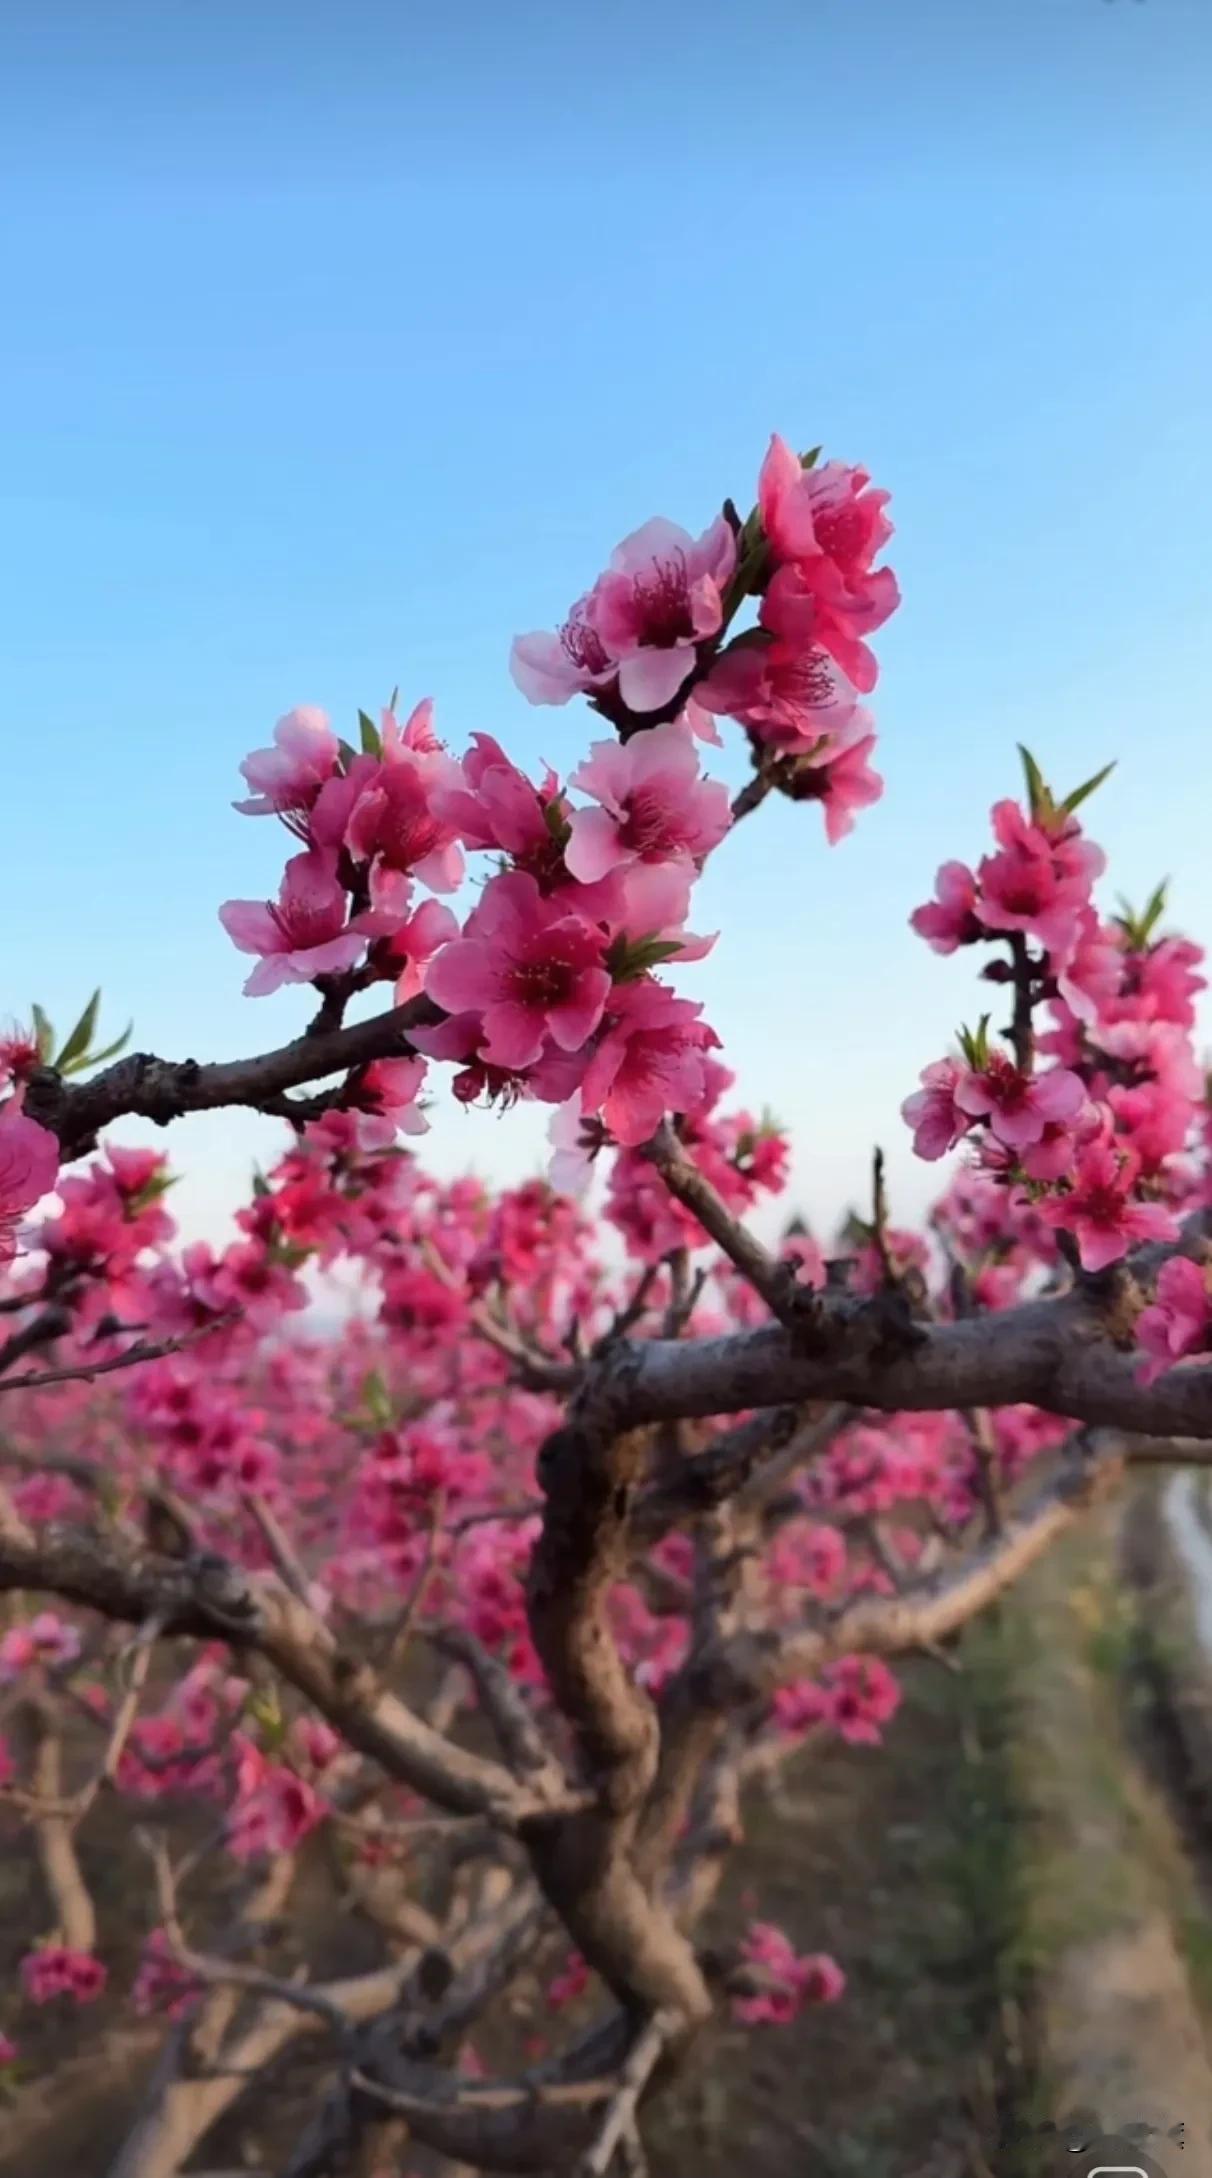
(1082, 793)
(1038, 797)
(44, 1033)
(1155, 908)
(375, 1401)
(81, 1036)
(266, 1709)
(1138, 929)
(372, 740)
(347, 753)
(159, 1184)
(630, 958)
(110, 1051)
(975, 1047)
(810, 459)
(393, 699)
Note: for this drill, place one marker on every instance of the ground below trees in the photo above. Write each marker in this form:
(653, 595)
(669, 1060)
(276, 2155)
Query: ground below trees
(1019, 1885)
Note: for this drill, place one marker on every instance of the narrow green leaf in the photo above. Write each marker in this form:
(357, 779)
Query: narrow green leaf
(1155, 908)
(44, 1033)
(375, 1401)
(110, 1051)
(1037, 791)
(372, 741)
(347, 753)
(82, 1035)
(810, 459)
(1082, 793)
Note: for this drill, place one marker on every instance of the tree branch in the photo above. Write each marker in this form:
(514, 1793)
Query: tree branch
(165, 1089)
(214, 1600)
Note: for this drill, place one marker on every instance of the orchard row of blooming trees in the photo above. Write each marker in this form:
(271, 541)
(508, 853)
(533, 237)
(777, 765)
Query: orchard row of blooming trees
(494, 1606)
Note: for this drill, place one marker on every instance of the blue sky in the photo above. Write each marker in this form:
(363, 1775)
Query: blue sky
(340, 343)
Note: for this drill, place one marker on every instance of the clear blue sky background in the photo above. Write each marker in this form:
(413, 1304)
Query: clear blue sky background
(340, 342)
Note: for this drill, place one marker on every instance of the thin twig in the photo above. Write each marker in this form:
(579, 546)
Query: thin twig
(619, 2121)
(142, 1350)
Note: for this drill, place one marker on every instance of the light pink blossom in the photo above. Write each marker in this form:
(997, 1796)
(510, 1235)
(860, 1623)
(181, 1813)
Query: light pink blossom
(286, 779)
(938, 1122)
(44, 1639)
(648, 1062)
(790, 698)
(661, 596)
(950, 919)
(653, 805)
(304, 933)
(551, 668)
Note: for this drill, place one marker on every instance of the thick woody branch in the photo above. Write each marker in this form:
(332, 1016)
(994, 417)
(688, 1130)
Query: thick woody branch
(211, 1599)
(165, 1089)
(584, 1862)
(747, 1462)
(1055, 1354)
(927, 1612)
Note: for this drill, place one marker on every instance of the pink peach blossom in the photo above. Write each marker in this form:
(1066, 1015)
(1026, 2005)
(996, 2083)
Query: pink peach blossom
(661, 595)
(29, 1165)
(937, 1120)
(498, 807)
(44, 1639)
(550, 668)
(788, 1981)
(1099, 1210)
(395, 817)
(532, 968)
(1094, 969)
(405, 938)
(286, 779)
(301, 936)
(648, 1062)
(1017, 1105)
(950, 919)
(57, 1970)
(790, 698)
(842, 783)
(1176, 1322)
(653, 806)
(825, 527)
(1039, 881)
